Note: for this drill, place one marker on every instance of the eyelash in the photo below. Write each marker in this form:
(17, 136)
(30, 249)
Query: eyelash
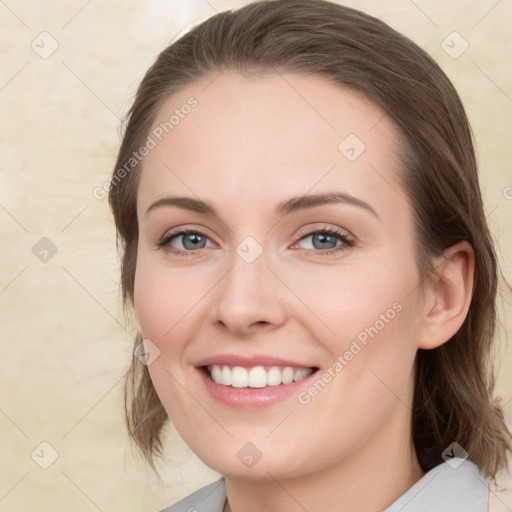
(347, 242)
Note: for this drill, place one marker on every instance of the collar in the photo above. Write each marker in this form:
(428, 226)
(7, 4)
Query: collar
(456, 485)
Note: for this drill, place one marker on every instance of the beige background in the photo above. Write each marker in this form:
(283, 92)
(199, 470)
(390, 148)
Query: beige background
(64, 347)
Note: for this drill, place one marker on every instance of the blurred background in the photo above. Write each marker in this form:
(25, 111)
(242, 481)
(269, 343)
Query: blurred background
(69, 70)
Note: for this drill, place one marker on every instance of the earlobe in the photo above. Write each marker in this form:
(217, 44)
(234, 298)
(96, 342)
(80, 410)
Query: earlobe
(449, 296)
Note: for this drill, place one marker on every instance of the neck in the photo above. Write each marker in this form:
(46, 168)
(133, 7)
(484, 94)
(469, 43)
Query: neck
(368, 481)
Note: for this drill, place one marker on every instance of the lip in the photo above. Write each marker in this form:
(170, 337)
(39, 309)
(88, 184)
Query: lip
(250, 398)
(250, 361)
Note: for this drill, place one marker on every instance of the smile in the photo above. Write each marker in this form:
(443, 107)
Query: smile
(256, 376)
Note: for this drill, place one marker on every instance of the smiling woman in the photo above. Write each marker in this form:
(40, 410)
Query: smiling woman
(312, 228)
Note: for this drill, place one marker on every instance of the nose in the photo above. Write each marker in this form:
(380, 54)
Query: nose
(249, 299)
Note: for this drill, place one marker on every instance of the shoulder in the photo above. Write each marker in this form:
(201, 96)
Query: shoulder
(209, 498)
(455, 485)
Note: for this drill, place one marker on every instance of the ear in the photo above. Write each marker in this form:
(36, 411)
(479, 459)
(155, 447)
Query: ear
(448, 298)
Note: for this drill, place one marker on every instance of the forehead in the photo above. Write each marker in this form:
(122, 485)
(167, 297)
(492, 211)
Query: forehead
(268, 134)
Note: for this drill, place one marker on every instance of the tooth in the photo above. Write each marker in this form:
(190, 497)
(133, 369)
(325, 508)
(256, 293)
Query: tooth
(287, 375)
(239, 377)
(274, 376)
(300, 374)
(216, 374)
(226, 376)
(257, 377)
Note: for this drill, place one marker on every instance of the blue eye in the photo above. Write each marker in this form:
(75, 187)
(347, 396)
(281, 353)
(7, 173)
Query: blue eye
(324, 241)
(192, 240)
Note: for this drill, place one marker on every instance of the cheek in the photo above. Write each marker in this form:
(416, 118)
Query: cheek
(168, 301)
(356, 299)
(366, 316)
(375, 319)
(159, 301)
(156, 290)
(152, 304)
(164, 304)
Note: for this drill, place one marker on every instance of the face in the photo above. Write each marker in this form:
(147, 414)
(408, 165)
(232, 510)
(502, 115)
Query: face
(284, 321)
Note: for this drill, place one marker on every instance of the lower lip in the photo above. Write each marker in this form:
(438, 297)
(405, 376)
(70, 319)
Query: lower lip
(251, 398)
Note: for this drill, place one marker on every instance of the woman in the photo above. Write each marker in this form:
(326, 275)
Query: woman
(305, 248)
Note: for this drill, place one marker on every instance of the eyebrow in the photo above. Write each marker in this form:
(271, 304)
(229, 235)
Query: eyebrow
(286, 207)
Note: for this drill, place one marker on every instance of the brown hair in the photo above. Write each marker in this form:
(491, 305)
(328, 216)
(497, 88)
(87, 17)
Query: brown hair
(453, 393)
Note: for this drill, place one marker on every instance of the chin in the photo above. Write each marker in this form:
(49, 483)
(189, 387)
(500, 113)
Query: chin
(249, 463)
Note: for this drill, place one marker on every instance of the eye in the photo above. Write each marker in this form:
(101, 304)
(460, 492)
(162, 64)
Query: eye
(325, 241)
(189, 241)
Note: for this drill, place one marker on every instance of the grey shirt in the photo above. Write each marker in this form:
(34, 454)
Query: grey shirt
(456, 485)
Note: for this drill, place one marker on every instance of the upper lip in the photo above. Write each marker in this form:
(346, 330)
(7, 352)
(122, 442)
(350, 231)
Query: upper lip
(249, 361)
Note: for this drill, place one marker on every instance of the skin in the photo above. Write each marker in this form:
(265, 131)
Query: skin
(251, 143)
